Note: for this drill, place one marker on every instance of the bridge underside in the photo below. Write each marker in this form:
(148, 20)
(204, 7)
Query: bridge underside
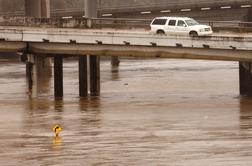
(125, 50)
(59, 51)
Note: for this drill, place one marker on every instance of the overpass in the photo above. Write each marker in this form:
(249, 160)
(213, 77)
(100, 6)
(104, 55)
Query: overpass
(35, 42)
(199, 9)
(123, 43)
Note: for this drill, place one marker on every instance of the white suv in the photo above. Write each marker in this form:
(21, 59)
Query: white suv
(179, 26)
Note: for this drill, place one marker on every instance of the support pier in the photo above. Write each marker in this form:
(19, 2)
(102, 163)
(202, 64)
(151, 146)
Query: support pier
(245, 74)
(58, 76)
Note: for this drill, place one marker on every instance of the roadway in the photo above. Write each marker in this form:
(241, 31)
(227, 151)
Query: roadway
(111, 42)
(134, 31)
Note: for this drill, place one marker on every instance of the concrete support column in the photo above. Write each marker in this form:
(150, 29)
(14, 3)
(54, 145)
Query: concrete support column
(245, 72)
(32, 75)
(37, 8)
(34, 93)
(58, 76)
(33, 8)
(94, 61)
(115, 61)
(249, 14)
(90, 11)
(83, 76)
(91, 8)
(44, 66)
(45, 9)
(94, 75)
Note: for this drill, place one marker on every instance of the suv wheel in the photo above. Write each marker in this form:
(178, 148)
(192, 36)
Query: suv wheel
(193, 34)
(160, 32)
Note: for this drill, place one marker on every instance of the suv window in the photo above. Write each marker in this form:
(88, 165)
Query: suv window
(159, 22)
(191, 22)
(181, 23)
(172, 23)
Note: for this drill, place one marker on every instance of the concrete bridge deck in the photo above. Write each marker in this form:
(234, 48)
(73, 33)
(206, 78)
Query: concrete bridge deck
(37, 43)
(124, 43)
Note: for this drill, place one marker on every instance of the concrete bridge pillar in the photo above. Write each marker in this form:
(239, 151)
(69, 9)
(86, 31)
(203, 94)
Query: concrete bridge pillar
(94, 61)
(44, 65)
(83, 76)
(58, 76)
(37, 8)
(94, 75)
(32, 75)
(245, 72)
(91, 8)
(39, 65)
(33, 8)
(115, 61)
(45, 9)
(250, 15)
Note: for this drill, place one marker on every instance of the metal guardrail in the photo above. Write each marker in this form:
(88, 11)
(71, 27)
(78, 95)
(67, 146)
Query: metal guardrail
(238, 26)
(117, 23)
(124, 23)
(145, 23)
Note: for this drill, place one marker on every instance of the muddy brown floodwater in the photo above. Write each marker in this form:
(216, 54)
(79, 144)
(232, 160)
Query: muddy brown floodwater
(153, 112)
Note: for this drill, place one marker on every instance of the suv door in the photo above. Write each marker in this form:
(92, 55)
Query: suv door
(157, 25)
(182, 28)
(171, 26)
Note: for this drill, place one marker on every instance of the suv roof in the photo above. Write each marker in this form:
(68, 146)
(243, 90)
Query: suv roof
(184, 18)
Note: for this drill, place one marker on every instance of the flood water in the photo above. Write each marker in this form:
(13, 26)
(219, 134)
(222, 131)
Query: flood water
(152, 112)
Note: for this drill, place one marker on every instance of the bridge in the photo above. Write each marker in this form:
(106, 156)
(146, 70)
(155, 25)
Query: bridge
(123, 43)
(35, 43)
(199, 9)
